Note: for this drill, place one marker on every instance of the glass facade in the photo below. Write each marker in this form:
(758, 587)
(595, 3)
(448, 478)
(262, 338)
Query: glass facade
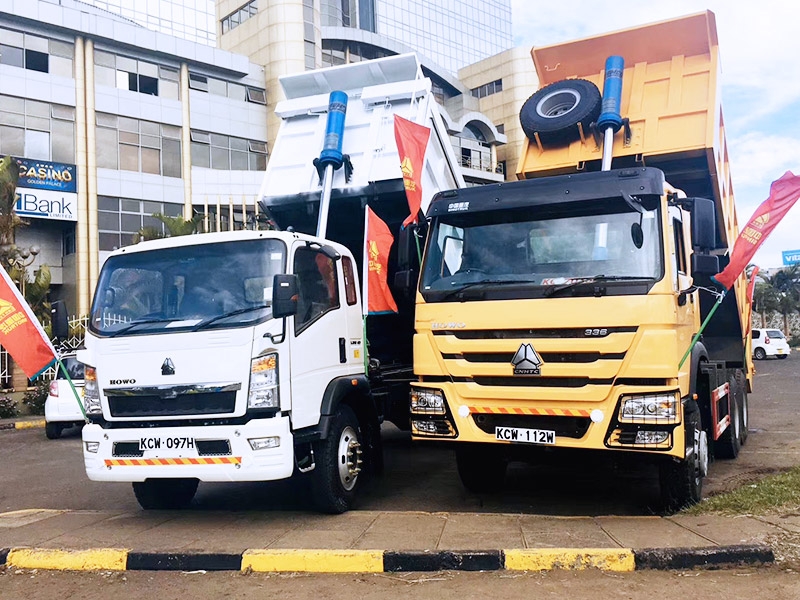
(35, 129)
(192, 20)
(453, 33)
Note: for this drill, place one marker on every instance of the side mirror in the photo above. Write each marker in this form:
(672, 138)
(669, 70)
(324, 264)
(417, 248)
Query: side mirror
(704, 264)
(284, 295)
(704, 224)
(405, 280)
(58, 315)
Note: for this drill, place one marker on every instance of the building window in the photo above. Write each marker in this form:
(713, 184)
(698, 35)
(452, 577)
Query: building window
(134, 75)
(38, 130)
(308, 35)
(488, 89)
(228, 89)
(239, 16)
(135, 145)
(224, 152)
(120, 219)
(36, 53)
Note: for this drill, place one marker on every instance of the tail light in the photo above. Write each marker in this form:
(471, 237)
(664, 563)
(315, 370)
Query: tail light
(54, 388)
(766, 340)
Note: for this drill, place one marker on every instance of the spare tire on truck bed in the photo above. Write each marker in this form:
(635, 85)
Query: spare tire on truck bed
(555, 111)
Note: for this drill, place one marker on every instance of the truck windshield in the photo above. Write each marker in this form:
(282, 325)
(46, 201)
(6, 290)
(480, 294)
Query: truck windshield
(525, 256)
(217, 285)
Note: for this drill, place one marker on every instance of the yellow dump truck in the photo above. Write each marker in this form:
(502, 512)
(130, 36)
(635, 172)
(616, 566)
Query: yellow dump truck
(559, 311)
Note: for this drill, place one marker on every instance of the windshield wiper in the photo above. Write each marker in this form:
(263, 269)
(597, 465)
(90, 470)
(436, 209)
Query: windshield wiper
(459, 293)
(134, 324)
(232, 313)
(595, 278)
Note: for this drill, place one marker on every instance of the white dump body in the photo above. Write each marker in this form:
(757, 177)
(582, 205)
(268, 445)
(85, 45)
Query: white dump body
(377, 90)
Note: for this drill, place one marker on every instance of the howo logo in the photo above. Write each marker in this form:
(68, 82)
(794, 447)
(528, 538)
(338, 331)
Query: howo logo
(122, 382)
(526, 361)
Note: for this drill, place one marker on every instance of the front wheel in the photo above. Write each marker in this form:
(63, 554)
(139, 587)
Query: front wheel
(336, 476)
(682, 480)
(165, 494)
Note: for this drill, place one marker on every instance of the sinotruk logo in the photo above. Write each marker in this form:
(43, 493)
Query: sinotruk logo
(526, 361)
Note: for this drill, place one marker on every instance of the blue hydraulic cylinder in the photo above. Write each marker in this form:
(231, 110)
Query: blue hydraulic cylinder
(612, 95)
(331, 154)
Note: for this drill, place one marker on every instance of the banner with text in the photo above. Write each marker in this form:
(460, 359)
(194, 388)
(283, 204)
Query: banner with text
(47, 190)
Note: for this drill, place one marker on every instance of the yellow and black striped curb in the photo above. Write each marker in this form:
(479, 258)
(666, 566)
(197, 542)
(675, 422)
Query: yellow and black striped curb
(386, 561)
(30, 424)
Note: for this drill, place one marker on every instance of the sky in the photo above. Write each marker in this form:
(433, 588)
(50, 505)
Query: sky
(759, 46)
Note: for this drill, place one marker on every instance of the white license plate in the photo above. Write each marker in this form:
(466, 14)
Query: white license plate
(525, 436)
(166, 443)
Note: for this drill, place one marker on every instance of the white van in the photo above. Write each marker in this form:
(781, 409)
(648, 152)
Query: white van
(770, 342)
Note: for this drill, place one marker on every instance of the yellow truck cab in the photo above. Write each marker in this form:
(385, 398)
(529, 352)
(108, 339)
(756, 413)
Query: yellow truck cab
(559, 311)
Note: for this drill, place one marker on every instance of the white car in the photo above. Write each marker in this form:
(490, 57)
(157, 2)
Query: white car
(61, 409)
(770, 342)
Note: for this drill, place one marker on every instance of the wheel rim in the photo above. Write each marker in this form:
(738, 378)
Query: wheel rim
(557, 103)
(701, 452)
(349, 458)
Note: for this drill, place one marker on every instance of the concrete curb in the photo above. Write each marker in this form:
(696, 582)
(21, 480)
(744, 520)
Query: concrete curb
(380, 561)
(30, 424)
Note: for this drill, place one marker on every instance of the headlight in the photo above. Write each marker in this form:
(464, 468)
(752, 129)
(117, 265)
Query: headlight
(649, 408)
(91, 392)
(264, 382)
(426, 401)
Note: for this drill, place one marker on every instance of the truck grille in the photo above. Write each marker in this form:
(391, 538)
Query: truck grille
(205, 403)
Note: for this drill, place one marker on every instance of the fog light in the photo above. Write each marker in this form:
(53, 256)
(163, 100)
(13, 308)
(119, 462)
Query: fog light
(92, 447)
(437, 427)
(264, 443)
(651, 437)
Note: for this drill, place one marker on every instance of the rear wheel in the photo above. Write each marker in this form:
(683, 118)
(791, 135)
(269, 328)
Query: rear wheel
(682, 481)
(728, 444)
(53, 430)
(336, 477)
(744, 407)
(165, 494)
(482, 468)
(760, 353)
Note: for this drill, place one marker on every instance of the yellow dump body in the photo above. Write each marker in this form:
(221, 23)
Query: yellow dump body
(671, 99)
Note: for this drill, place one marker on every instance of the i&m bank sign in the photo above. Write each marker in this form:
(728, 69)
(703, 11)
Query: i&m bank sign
(47, 190)
(791, 257)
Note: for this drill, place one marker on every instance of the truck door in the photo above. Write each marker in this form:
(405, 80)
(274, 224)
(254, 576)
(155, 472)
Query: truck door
(681, 280)
(318, 327)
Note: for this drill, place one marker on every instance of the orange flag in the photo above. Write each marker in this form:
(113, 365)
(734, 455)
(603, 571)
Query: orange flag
(378, 242)
(20, 331)
(412, 141)
(783, 193)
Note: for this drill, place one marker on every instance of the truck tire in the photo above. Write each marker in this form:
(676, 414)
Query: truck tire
(165, 494)
(759, 354)
(682, 480)
(744, 406)
(728, 444)
(336, 477)
(53, 430)
(555, 111)
(481, 468)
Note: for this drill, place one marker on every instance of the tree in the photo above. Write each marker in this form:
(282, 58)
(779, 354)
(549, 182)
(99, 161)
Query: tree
(174, 225)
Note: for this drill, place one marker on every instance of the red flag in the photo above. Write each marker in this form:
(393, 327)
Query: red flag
(412, 141)
(751, 288)
(782, 195)
(20, 331)
(378, 242)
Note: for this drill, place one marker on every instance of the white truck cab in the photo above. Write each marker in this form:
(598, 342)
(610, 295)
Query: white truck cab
(227, 357)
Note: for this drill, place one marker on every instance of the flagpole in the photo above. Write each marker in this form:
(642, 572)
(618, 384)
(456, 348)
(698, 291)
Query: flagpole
(365, 290)
(72, 386)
